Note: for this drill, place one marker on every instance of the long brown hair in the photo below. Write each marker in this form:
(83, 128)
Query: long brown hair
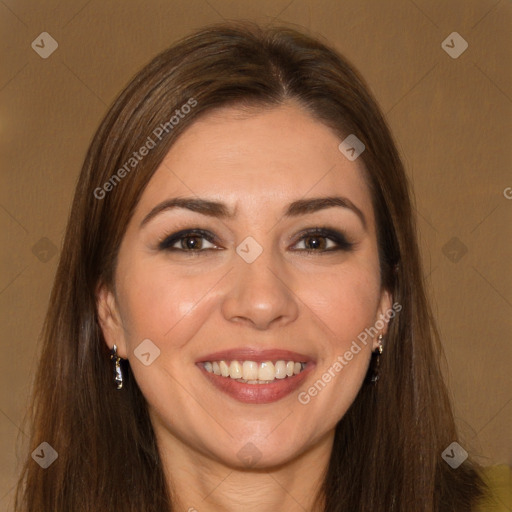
(387, 448)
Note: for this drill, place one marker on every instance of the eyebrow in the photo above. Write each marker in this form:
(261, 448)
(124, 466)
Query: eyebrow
(220, 210)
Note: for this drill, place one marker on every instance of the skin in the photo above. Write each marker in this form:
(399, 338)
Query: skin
(189, 306)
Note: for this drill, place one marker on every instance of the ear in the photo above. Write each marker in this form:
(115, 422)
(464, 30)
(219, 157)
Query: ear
(384, 314)
(110, 320)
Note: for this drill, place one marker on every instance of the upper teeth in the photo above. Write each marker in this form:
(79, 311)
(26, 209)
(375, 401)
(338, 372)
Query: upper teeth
(253, 372)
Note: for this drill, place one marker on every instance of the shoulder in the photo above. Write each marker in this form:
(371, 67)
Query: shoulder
(499, 498)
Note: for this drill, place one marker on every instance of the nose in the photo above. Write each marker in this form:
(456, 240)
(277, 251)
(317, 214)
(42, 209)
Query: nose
(259, 295)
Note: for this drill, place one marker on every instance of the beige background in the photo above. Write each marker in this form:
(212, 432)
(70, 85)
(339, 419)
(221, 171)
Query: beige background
(451, 118)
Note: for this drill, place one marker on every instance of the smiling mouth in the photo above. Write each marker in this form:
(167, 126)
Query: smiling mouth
(252, 372)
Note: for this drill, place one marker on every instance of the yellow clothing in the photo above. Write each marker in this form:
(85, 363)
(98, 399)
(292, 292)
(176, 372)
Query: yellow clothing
(499, 479)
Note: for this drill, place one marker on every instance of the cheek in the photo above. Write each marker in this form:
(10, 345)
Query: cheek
(342, 305)
(169, 305)
(163, 305)
(346, 301)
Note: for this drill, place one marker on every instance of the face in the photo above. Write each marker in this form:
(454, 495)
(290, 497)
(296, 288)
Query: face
(280, 278)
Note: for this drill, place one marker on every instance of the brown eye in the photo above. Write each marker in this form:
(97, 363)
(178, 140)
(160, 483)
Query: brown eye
(191, 242)
(321, 240)
(188, 241)
(315, 242)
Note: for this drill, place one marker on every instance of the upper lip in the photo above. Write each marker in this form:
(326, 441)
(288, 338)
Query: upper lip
(256, 355)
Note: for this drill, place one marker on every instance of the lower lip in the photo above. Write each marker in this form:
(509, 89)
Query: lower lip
(258, 393)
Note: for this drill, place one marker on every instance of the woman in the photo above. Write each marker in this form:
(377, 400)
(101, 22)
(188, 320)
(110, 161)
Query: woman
(238, 320)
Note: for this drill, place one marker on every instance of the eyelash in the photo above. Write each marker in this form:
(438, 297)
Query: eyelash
(335, 236)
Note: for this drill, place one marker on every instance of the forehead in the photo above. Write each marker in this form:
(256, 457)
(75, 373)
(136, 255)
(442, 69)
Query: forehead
(264, 157)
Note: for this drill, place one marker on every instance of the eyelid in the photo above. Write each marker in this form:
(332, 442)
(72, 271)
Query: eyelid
(337, 237)
(166, 242)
